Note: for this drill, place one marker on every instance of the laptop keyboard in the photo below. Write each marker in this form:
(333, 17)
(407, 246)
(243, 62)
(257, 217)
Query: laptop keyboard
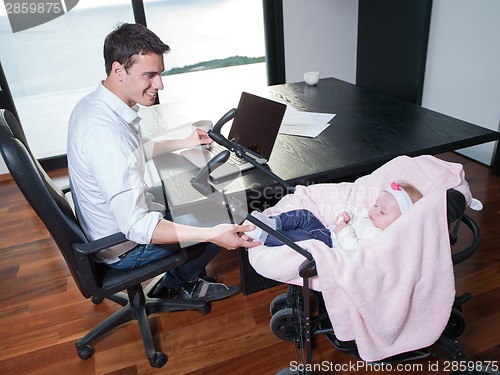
(215, 149)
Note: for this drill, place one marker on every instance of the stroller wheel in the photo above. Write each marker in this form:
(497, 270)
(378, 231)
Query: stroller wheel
(279, 302)
(287, 323)
(456, 324)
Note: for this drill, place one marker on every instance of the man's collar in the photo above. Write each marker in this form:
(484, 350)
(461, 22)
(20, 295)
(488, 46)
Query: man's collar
(129, 114)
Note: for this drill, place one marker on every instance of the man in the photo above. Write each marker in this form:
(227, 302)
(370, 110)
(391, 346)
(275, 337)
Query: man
(106, 163)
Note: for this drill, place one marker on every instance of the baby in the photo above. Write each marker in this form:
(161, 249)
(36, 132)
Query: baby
(353, 224)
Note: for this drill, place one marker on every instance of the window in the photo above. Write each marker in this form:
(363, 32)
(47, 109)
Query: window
(51, 66)
(217, 51)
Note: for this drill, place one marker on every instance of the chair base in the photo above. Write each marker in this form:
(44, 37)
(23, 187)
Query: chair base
(138, 306)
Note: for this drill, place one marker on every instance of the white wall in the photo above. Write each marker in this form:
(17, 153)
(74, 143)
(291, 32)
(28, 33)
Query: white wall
(462, 77)
(320, 35)
(463, 61)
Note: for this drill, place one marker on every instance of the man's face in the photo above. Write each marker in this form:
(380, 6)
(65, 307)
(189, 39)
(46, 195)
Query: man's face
(141, 83)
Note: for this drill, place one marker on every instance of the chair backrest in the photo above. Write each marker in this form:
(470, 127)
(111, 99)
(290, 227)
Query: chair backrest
(45, 197)
(6, 100)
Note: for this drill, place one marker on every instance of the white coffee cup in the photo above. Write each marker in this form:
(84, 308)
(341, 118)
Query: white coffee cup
(205, 125)
(311, 78)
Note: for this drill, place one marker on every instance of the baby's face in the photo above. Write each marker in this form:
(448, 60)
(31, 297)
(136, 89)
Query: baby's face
(385, 210)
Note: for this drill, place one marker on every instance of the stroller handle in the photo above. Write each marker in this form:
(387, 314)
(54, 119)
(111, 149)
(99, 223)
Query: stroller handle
(215, 134)
(229, 115)
(240, 150)
(201, 181)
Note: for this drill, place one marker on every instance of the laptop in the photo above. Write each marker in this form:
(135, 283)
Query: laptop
(254, 127)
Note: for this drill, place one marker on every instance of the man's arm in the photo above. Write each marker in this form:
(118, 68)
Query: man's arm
(228, 236)
(160, 146)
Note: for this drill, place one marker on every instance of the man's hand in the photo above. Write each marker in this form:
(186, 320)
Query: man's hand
(231, 236)
(197, 138)
(162, 146)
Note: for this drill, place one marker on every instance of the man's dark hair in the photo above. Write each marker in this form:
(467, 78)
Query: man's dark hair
(130, 39)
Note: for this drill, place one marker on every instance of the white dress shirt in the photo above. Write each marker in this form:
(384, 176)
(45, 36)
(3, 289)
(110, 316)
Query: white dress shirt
(106, 167)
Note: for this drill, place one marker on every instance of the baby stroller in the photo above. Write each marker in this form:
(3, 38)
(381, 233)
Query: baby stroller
(292, 318)
(300, 313)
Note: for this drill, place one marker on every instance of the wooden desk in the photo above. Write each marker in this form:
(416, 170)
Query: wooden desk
(369, 129)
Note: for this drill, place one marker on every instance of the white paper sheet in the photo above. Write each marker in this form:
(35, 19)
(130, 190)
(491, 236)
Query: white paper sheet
(307, 124)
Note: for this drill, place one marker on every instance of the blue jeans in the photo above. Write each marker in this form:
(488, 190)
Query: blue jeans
(199, 256)
(299, 225)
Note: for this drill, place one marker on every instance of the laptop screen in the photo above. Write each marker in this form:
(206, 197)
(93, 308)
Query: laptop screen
(257, 123)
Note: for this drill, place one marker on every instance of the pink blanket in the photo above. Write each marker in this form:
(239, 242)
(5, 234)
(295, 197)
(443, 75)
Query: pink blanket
(394, 293)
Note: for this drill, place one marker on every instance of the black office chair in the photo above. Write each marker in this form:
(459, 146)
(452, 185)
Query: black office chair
(94, 280)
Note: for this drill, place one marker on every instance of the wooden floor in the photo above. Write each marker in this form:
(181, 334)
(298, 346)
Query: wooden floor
(42, 312)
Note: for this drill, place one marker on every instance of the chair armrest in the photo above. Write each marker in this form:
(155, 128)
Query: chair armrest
(92, 247)
(62, 183)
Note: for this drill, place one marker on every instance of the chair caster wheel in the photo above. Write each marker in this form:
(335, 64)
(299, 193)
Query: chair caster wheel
(96, 300)
(279, 302)
(85, 352)
(205, 310)
(158, 360)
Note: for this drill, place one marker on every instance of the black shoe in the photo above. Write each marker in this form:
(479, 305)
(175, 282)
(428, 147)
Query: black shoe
(203, 290)
(161, 291)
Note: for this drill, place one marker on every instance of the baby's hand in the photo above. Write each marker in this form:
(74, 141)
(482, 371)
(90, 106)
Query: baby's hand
(343, 217)
(341, 225)
(342, 220)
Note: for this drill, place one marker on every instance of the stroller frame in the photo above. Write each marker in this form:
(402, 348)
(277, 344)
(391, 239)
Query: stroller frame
(291, 317)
